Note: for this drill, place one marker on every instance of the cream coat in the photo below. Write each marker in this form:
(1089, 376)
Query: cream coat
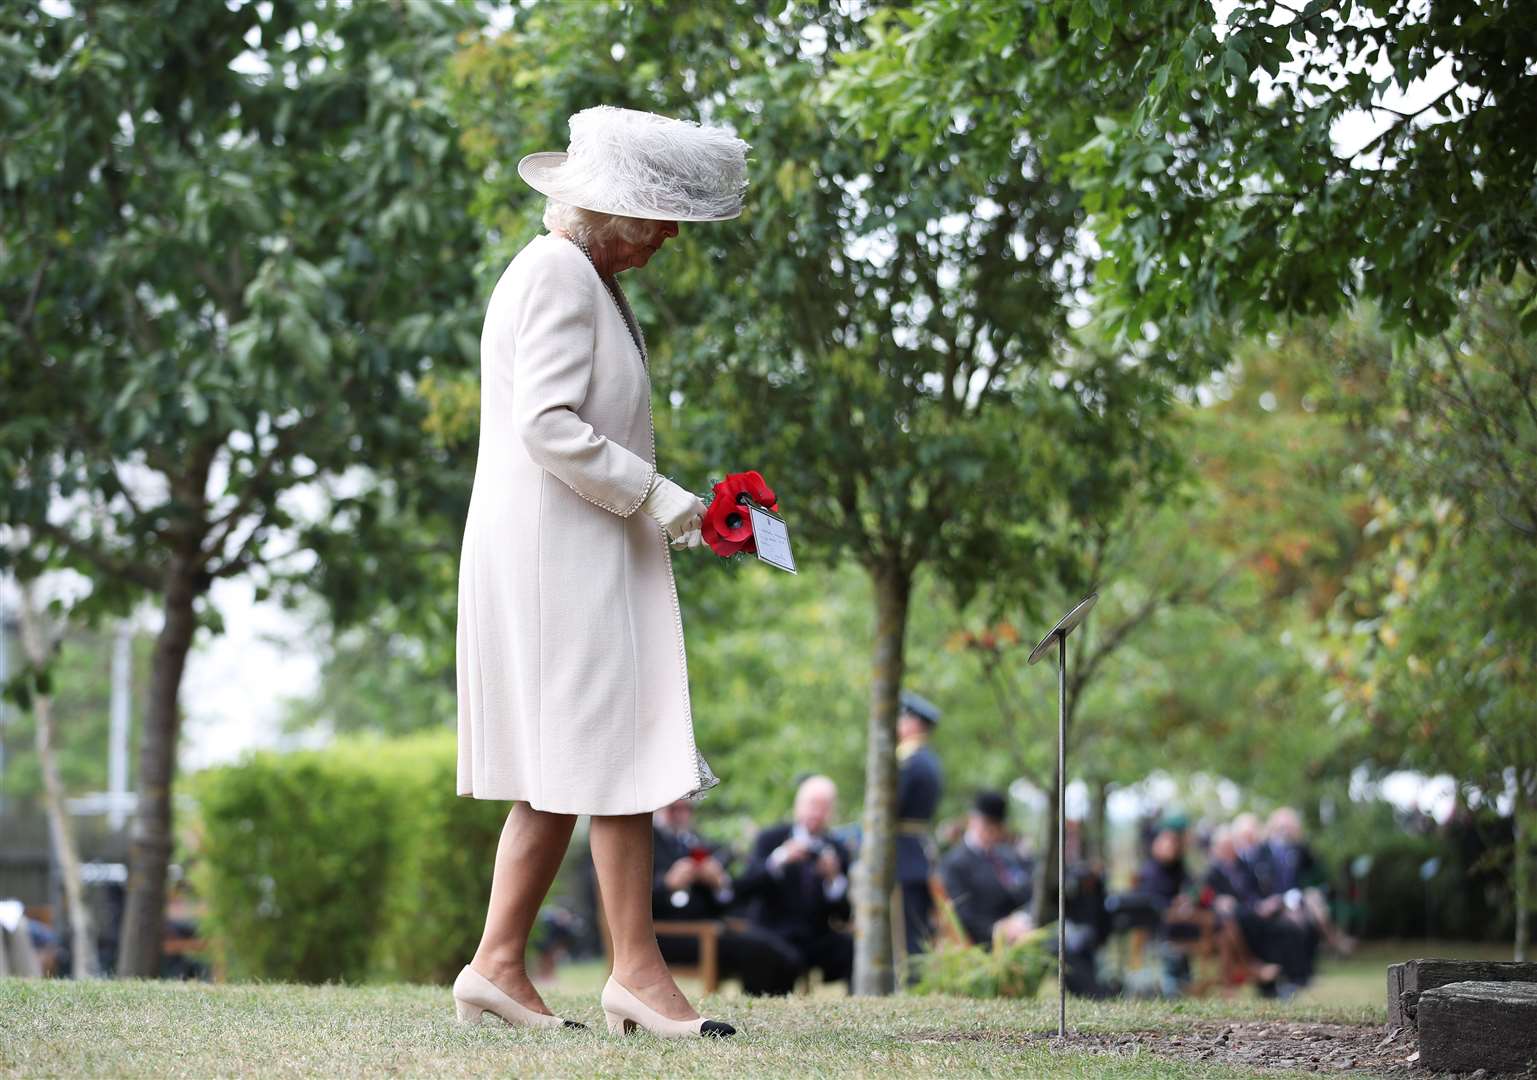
(572, 678)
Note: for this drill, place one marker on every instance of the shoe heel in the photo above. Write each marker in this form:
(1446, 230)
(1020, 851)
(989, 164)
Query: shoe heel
(618, 1025)
(467, 1013)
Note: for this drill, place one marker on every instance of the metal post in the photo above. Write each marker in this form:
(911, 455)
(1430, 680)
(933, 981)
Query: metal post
(1065, 626)
(1061, 836)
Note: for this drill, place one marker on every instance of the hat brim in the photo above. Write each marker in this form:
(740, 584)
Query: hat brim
(541, 172)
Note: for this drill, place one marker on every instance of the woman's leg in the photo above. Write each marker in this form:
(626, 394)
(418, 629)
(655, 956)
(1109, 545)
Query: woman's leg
(527, 856)
(621, 851)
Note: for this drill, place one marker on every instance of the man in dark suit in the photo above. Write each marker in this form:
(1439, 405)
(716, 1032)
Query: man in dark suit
(1267, 947)
(1291, 860)
(1290, 937)
(919, 785)
(1253, 859)
(1297, 874)
(986, 879)
(797, 884)
(690, 882)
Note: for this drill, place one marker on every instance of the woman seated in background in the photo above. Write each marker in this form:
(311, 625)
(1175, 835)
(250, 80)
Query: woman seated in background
(1165, 877)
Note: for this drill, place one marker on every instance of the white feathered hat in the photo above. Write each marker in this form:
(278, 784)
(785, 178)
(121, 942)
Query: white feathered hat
(640, 164)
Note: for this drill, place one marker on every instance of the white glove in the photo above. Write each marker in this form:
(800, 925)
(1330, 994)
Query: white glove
(677, 511)
(691, 539)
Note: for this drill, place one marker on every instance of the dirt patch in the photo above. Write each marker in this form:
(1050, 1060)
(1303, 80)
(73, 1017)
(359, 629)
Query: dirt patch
(1255, 1044)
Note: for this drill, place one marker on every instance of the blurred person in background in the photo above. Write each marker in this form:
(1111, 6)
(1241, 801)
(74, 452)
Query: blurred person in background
(920, 783)
(797, 885)
(985, 878)
(1163, 875)
(1249, 942)
(1293, 936)
(1297, 875)
(691, 882)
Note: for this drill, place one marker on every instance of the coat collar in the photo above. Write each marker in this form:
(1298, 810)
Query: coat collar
(618, 302)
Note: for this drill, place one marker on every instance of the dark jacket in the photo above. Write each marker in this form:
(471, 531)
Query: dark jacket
(1235, 879)
(1289, 866)
(792, 902)
(1162, 881)
(702, 902)
(1255, 863)
(982, 892)
(919, 785)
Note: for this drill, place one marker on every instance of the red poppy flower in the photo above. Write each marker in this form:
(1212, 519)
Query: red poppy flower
(727, 526)
(748, 483)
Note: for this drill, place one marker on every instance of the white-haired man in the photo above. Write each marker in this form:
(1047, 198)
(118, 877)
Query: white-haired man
(798, 883)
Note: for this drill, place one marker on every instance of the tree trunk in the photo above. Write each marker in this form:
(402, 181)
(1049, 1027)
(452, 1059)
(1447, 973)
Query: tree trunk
(1043, 901)
(35, 640)
(1097, 845)
(149, 853)
(874, 969)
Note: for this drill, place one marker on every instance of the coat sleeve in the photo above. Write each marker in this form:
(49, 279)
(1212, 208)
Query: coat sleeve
(552, 329)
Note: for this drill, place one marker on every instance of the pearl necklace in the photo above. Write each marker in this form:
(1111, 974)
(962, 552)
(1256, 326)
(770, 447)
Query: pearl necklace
(617, 296)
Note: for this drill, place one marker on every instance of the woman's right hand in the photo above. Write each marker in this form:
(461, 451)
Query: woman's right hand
(679, 512)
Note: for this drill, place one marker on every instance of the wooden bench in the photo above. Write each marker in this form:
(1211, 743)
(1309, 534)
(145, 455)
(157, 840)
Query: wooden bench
(706, 932)
(194, 946)
(1209, 970)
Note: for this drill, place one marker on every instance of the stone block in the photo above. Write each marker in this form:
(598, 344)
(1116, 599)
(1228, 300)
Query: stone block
(1407, 981)
(1478, 1025)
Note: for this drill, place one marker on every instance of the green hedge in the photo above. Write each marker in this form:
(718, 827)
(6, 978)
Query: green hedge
(356, 862)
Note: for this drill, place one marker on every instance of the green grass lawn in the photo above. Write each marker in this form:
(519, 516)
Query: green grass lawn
(139, 1028)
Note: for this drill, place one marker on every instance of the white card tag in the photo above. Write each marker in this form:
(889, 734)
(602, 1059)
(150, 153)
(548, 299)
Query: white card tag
(772, 538)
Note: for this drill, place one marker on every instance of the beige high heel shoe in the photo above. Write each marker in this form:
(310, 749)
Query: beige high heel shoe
(475, 995)
(626, 1012)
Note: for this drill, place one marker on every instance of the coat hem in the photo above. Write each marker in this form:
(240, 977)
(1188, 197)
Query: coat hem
(693, 794)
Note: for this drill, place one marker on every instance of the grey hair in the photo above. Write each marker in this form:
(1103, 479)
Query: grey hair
(594, 227)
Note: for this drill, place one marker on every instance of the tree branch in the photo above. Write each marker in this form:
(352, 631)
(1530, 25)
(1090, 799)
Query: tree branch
(993, 671)
(1404, 120)
(140, 574)
(30, 307)
(1521, 493)
(226, 523)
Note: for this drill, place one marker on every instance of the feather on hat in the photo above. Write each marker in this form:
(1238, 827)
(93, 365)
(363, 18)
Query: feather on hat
(640, 164)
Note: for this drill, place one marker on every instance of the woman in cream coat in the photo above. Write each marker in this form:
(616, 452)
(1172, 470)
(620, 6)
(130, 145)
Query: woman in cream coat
(572, 675)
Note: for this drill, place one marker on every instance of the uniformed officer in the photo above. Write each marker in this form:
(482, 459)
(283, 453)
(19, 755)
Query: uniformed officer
(987, 880)
(919, 784)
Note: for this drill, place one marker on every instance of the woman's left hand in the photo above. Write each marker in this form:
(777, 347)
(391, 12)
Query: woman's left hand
(691, 539)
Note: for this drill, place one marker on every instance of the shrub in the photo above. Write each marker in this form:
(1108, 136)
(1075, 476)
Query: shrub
(351, 863)
(1005, 971)
(445, 849)
(296, 851)
(1467, 896)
